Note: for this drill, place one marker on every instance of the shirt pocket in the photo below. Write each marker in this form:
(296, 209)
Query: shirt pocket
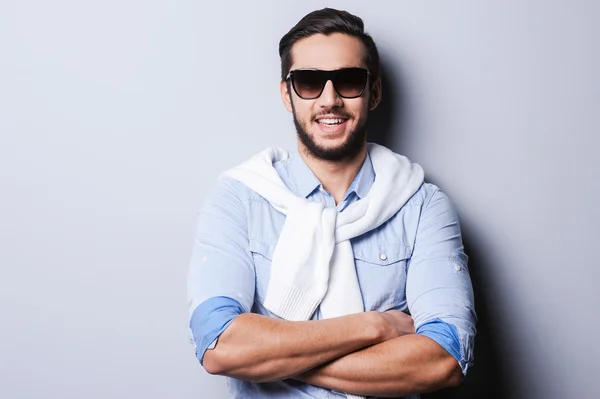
(381, 271)
(262, 254)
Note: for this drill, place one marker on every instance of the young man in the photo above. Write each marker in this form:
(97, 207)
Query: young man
(306, 265)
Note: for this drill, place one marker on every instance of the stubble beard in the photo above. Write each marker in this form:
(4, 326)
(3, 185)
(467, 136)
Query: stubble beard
(346, 151)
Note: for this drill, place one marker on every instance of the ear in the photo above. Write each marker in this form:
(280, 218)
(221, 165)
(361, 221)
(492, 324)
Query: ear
(286, 96)
(375, 97)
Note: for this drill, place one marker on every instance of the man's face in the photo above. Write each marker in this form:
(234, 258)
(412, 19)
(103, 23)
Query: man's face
(313, 118)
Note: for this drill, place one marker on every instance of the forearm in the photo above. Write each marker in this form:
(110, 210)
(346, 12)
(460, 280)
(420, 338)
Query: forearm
(401, 366)
(259, 348)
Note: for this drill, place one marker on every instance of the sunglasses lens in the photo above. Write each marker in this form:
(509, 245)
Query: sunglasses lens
(308, 84)
(351, 82)
(348, 82)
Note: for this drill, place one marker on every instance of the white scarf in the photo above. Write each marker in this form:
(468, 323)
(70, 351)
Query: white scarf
(313, 262)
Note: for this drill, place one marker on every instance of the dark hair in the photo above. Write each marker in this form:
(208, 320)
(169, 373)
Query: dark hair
(328, 21)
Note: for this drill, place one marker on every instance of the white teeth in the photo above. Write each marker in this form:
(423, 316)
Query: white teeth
(331, 121)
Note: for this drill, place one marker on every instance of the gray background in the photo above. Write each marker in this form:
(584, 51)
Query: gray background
(116, 117)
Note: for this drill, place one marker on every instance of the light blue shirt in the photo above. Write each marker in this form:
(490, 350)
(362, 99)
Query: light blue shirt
(415, 262)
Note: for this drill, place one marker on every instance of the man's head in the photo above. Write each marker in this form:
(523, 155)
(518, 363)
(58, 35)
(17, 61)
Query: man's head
(330, 110)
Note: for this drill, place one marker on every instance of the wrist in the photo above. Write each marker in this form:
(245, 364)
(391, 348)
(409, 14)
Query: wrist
(378, 327)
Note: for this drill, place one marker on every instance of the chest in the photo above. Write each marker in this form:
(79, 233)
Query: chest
(381, 256)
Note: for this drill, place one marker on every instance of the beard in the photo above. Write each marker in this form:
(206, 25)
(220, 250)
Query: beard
(348, 150)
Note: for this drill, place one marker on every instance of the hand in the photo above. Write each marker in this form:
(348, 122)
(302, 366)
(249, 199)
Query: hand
(398, 323)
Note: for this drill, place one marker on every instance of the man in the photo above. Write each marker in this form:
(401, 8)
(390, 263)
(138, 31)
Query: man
(306, 265)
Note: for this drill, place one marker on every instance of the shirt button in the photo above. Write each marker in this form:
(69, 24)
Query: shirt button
(383, 256)
(457, 268)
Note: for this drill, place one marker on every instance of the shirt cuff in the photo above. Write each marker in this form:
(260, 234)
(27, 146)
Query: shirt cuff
(210, 319)
(446, 335)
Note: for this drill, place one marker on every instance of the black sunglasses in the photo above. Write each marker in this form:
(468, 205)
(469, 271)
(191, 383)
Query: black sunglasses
(347, 82)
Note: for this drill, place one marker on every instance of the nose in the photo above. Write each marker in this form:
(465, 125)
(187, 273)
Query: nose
(329, 97)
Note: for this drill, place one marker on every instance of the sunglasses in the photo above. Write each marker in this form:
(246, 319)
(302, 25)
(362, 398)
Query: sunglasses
(347, 82)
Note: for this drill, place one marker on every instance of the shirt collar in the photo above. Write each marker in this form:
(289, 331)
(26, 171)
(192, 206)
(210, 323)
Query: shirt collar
(307, 182)
(364, 179)
(305, 179)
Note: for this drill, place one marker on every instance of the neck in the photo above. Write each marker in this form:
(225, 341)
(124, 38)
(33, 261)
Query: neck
(335, 176)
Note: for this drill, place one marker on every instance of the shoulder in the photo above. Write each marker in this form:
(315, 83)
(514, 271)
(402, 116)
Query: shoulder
(431, 206)
(429, 201)
(228, 190)
(425, 195)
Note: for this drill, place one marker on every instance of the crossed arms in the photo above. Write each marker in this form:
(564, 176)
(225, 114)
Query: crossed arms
(371, 353)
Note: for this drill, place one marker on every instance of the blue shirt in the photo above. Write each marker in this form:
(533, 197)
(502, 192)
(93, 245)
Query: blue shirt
(414, 262)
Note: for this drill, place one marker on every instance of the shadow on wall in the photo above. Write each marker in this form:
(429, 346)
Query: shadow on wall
(384, 124)
(489, 377)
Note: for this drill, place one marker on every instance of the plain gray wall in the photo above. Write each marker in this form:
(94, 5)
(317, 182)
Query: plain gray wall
(116, 117)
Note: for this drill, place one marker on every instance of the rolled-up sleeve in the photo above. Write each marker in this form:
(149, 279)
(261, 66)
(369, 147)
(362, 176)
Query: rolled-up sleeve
(438, 286)
(221, 266)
